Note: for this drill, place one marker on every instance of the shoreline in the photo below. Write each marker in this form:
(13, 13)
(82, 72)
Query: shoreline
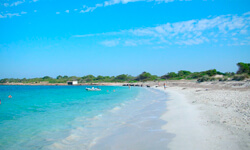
(207, 116)
(64, 84)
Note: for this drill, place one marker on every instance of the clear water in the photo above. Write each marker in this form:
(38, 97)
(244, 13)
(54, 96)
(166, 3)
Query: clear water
(69, 117)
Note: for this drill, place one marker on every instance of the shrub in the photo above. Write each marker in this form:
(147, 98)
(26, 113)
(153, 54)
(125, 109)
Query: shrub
(203, 79)
(223, 79)
(240, 77)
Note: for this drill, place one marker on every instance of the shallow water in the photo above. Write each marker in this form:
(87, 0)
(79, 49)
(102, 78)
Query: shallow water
(68, 117)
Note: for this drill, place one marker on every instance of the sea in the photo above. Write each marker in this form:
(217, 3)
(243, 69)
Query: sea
(69, 117)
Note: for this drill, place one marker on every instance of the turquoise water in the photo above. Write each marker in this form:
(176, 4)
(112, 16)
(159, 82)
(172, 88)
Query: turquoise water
(45, 117)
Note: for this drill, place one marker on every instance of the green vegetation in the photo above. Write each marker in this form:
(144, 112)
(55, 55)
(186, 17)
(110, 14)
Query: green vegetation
(145, 76)
(240, 77)
(243, 68)
(209, 75)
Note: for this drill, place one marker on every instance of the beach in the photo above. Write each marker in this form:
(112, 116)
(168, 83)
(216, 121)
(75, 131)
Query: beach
(185, 115)
(211, 115)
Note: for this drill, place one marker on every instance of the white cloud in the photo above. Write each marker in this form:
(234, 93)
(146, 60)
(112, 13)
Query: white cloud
(191, 32)
(67, 11)
(110, 43)
(137, 42)
(23, 12)
(130, 43)
(2, 16)
(244, 31)
(6, 4)
(194, 41)
(11, 15)
(57, 13)
(17, 3)
(115, 2)
(195, 28)
(90, 9)
(35, 10)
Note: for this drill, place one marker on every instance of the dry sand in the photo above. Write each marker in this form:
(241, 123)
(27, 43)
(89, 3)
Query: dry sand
(210, 115)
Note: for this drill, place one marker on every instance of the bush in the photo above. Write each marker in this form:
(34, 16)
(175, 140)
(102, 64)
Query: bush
(223, 79)
(240, 77)
(206, 78)
(211, 72)
(203, 79)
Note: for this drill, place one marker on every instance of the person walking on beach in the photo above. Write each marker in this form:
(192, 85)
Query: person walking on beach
(165, 86)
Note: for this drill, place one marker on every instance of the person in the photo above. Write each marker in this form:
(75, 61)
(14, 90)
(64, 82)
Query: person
(9, 96)
(113, 90)
(165, 86)
(0, 102)
(107, 90)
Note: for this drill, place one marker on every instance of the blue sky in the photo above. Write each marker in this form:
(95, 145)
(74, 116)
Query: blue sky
(112, 37)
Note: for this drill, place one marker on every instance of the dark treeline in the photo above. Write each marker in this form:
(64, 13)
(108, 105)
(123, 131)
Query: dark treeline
(209, 75)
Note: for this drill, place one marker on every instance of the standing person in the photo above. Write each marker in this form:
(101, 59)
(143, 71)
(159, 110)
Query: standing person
(0, 102)
(165, 86)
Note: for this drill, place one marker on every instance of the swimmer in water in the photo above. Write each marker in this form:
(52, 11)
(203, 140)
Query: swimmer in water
(165, 86)
(113, 90)
(9, 96)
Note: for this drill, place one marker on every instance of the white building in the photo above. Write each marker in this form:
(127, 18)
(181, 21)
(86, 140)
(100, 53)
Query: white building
(72, 82)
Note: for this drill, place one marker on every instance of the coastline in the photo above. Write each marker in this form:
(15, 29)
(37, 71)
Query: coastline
(63, 84)
(208, 116)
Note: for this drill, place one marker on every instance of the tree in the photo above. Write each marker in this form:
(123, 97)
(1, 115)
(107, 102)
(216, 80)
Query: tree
(183, 73)
(59, 77)
(229, 74)
(195, 75)
(122, 77)
(211, 72)
(100, 78)
(65, 77)
(46, 77)
(243, 68)
(4, 80)
(145, 76)
(88, 78)
(169, 75)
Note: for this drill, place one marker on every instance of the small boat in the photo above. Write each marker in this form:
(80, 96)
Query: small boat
(93, 89)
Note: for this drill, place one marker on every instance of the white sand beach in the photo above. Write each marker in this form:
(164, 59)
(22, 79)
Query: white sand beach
(212, 115)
